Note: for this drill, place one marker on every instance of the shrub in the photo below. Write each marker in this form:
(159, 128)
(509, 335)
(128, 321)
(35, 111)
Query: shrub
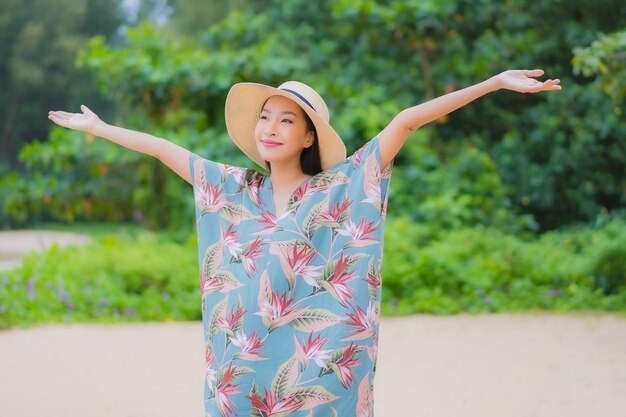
(113, 279)
(479, 269)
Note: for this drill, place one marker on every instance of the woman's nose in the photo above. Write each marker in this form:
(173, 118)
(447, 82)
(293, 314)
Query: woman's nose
(269, 128)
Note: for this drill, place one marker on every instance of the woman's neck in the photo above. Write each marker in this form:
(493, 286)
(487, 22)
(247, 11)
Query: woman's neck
(286, 177)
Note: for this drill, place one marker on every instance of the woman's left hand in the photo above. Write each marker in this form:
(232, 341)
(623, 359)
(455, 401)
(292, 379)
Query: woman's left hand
(523, 81)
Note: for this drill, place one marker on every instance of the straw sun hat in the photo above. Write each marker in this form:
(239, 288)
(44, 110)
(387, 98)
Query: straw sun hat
(245, 102)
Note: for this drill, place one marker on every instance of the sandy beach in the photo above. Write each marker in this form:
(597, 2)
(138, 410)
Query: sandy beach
(492, 365)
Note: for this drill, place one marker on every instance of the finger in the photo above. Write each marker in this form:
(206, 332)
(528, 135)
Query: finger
(533, 73)
(59, 121)
(551, 85)
(58, 115)
(64, 113)
(85, 109)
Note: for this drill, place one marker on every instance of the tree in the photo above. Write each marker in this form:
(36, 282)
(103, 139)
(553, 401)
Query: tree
(39, 42)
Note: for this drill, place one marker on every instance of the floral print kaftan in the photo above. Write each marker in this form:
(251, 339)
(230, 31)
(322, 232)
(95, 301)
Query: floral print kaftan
(291, 300)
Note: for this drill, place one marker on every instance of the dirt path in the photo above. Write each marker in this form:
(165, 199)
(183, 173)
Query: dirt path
(14, 245)
(499, 365)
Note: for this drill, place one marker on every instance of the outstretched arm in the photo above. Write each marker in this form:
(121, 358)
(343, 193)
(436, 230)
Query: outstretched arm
(172, 155)
(407, 121)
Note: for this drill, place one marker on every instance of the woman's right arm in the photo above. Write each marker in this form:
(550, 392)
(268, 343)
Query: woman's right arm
(174, 156)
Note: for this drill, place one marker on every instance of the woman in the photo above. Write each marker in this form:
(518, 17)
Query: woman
(290, 261)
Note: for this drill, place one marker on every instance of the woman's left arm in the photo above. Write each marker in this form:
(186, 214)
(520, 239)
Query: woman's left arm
(407, 121)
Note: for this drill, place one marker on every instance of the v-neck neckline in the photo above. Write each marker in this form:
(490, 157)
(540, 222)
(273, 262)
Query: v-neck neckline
(271, 206)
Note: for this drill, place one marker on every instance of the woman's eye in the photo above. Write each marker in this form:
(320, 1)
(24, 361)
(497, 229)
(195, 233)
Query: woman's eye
(263, 117)
(287, 121)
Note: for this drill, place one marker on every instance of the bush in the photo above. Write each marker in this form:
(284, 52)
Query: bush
(479, 269)
(113, 279)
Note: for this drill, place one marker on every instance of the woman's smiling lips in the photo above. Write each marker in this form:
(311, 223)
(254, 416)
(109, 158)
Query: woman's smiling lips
(270, 143)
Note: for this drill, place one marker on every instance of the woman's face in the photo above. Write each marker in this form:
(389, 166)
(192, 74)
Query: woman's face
(281, 131)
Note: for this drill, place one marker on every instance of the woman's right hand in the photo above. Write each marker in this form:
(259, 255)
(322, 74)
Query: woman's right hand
(84, 121)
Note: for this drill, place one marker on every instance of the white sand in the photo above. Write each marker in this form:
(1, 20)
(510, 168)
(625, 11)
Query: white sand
(499, 365)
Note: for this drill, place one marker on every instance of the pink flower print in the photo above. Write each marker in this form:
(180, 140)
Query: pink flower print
(248, 257)
(230, 238)
(338, 280)
(224, 391)
(344, 365)
(210, 373)
(209, 198)
(229, 321)
(210, 283)
(303, 191)
(249, 345)
(360, 233)
(363, 322)
(333, 217)
(272, 406)
(278, 310)
(237, 173)
(270, 223)
(312, 349)
(298, 263)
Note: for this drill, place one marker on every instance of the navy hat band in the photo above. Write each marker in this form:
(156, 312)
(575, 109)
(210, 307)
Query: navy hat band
(300, 97)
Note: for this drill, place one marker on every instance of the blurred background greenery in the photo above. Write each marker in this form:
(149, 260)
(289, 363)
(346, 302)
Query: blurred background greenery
(513, 203)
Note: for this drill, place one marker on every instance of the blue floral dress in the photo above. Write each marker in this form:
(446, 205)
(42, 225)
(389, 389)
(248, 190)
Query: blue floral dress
(291, 300)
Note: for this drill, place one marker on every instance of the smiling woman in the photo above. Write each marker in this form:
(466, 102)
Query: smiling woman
(290, 262)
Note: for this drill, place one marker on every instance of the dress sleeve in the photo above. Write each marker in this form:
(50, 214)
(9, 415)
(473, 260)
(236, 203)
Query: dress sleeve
(213, 181)
(365, 173)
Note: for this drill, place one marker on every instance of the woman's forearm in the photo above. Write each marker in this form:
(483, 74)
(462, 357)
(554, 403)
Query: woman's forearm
(132, 139)
(414, 117)
(174, 156)
(394, 135)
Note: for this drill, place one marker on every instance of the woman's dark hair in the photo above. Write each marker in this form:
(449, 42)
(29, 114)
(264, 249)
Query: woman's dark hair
(310, 160)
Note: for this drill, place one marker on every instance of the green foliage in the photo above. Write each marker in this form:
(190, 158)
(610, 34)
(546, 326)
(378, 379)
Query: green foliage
(38, 43)
(384, 56)
(465, 189)
(114, 279)
(606, 58)
(554, 171)
(90, 179)
(480, 269)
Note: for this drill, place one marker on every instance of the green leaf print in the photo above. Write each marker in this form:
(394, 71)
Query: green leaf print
(216, 312)
(239, 323)
(373, 280)
(329, 270)
(235, 213)
(312, 396)
(285, 378)
(314, 320)
(326, 178)
(212, 258)
(309, 225)
(228, 279)
(254, 392)
(237, 372)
